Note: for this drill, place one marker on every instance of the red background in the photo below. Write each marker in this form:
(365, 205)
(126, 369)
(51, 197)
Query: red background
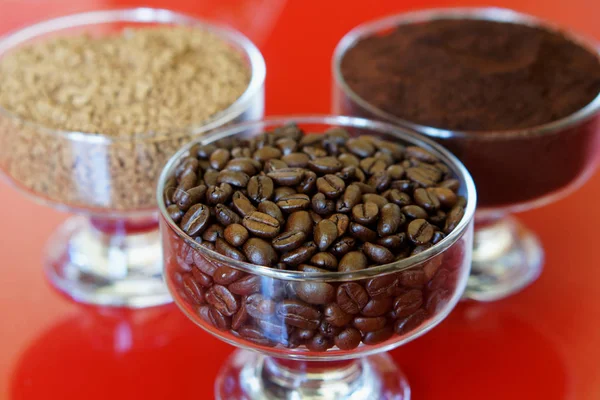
(540, 344)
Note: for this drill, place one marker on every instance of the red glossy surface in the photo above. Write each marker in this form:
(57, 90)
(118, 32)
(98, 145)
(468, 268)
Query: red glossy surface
(543, 343)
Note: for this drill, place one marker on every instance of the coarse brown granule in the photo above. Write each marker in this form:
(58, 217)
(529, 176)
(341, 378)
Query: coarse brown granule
(473, 75)
(143, 90)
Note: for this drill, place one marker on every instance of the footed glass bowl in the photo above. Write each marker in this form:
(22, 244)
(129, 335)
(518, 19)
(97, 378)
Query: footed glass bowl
(307, 335)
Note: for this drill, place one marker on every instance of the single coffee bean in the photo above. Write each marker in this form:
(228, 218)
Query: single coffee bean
(349, 160)
(170, 187)
(299, 255)
(331, 186)
(189, 164)
(321, 205)
(242, 204)
(380, 336)
(353, 261)
(452, 184)
(234, 178)
(369, 324)
(259, 307)
(407, 303)
(315, 292)
(202, 278)
(243, 164)
(213, 232)
(341, 221)
(294, 202)
(414, 212)
(391, 218)
(437, 237)
(311, 139)
(246, 286)
(235, 234)
(300, 221)
(287, 176)
(347, 174)
(410, 323)
(289, 240)
(348, 339)
(423, 176)
(266, 153)
(222, 247)
(342, 246)
(296, 160)
(351, 297)
(274, 165)
(336, 316)
(454, 217)
(213, 317)
(325, 165)
(378, 254)
(193, 290)
(439, 280)
(436, 300)
(311, 268)
(281, 192)
(314, 152)
(187, 198)
(374, 198)
(226, 216)
(420, 249)
(360, 147)
(240, 317)
(225, 275)
(260, 188)
(380, 180)
(256, 335)
(261, 224)
(324, 260)
(308, 184)
(365, 213)
(395, 172)
(218, 194)
(393, 242)
(325, 234)
(175, 213)
(319, 343)
(287, 146)
(362, 233)
(298, 314)
(426, 199)
(382, 286)
(210, 177)
(219, 158)
(195, 220)
(397, 197)
(413, 278)
(420, 231)
(222, 300)
(352, 196)
(187, 181)
(270, 208)
(260, 252)
(377, 307)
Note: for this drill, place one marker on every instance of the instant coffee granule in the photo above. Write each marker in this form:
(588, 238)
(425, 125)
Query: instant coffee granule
(138, 95)
(473, 75)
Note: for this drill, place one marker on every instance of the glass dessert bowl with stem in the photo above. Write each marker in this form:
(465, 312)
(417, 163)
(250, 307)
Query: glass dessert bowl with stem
(308, 333)
(110, 254)
(514, 170)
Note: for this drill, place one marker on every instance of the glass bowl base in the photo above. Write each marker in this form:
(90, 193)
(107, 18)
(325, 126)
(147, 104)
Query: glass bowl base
(108, 268)
(252, 376)
(507, 257)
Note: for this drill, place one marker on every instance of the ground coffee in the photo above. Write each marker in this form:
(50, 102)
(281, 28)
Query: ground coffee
(473, 74)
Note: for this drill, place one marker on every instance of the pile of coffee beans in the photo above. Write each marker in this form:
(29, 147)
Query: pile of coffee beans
(312, 202)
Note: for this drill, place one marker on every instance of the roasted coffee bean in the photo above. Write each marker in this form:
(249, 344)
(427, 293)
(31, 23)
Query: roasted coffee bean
(311, 268)
(353, 261)
(222, 247)
(299, 221)
(186, 198)
(210, 177)
(299, 255)
(296, 160)
(214, 317)
(404, 186)
(289, 240)
(242, 204)
(452, 184)
(362, 233)
(325, 165)
(407, 303)
(219, 158)
(213, 232)
(331, 186)
(270, 208)
(218, 194)
(287, 146)
(319, 343)
(193, 290)
(397, 197)
(308, 184)
(351, 297)
(287, 176)
(314, 152)
(369, 324)
(225, 275)
(260, 252)
(436, 300)
(169, 191)
(226, 216)
(405, 325)
(420, 154)
(234, 178)
(208, 245)
(315, 292)
(380, 336)
(187, 181)
(274, 165)
(260, 188)
(390, 220)
(189, 164)
(349, 160)
(413, 278)
(246, 286)
(438, 219)
(235, 234)
(414, 212)
(348, 339)
(365, 213)
(347, 174)
(202, 278)
(393, 242)
(256, 335)
(455, 215)
(336, 316)
(261, 224)
(266, 153)
(420, 231)
(437, 237)
(204, 151)
(380, 181)
(446, 197)
(294, 202)
(311, 139)
(420, 249)
(316, 218)
(425, 177)
(352, 196)
(427, 199)
(259, 307)
(439, 280)
(240, 317)
(385, 285)
(324, 260)
(195, 220)
(321, 205)
(377, 307)
(395, 172)
(281, 192)
(342, 246)
(222, 300)
(243, 164)
(341, 221)
(325, 234)
(174, 212)
(380, 201)
(298, 314)
(360, 147)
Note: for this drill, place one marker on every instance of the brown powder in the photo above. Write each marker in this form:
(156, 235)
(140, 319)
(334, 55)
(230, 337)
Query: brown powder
(473, 75)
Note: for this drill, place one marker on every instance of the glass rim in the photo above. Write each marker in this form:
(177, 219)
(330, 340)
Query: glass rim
(342, 121)
(229, 35)
(496, 14)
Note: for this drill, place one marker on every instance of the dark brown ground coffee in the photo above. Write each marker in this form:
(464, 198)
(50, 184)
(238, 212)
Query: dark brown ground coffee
(473, 75)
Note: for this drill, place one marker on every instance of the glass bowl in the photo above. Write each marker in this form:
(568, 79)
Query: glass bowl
(316, 335)
(513, 170)
(110, 254)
